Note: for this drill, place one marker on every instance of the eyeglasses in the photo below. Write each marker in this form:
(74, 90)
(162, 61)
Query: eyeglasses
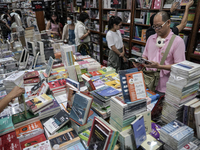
(159, 27)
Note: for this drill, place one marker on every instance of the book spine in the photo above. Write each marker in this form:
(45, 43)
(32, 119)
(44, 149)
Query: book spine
(185, 115)
(197, 122)
(191, 117)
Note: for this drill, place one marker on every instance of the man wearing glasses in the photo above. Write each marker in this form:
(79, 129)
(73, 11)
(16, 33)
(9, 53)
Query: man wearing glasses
(154, 50)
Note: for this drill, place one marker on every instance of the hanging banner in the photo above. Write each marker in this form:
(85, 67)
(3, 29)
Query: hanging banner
(38, 5)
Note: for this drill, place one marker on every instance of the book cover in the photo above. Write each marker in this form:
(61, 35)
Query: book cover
(29, 131)
(9, 141)
(136, 86)
(143, 36)
(98, 83)
(99, 136)
(115, 84)
(147, 120)
(78, 146)
(197, 121)
(39, 102)
(29, 75)
(157, 4)
(88, 82)
(184, 2)
(30, 81)
(57, 121)
(108, 91)
(139, 130)
(33, 141)
(43, 88)
(70, 96)
(74, 83)
(6, 125)
(49, 67)
(57, 84)
(55, 105)
(40, 146)
(63, 139)
(155, 132)
(124, 86)
(80, 108)
(20, 117)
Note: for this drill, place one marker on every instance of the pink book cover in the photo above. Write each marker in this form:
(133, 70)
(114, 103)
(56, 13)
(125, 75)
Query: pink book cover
(157, 4)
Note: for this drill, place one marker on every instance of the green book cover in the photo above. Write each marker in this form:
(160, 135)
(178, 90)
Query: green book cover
(20, 117)
(65, 127)
(6, 124)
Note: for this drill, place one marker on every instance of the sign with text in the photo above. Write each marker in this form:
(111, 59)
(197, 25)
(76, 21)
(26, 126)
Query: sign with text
(79, 3)
(38, 5)
(3, 6)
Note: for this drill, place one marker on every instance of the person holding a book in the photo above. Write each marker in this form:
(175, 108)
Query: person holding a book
(115, 43)
(54, 25)
(16, 92)
(68, 31)
(156, 47)
(176, 29)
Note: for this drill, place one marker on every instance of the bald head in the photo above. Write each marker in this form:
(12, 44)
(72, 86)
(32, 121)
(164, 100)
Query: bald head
(165, 16)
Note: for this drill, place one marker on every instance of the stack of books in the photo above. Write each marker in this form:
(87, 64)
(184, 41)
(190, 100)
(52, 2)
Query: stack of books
(58, 87)
(51, 110)
(123, 114)
(102, 98)
(176, 134)
(16, 79)
(39, 103)
(31, 78)
(182, 87)
(103, 135)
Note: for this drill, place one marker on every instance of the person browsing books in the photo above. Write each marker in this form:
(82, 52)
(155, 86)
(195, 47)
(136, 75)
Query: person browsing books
(54, 25)
(16, 92)
(68, 31)
(176, 29)
(156, 46)
(115, 43)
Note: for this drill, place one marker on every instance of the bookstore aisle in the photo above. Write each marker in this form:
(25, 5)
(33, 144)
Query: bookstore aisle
(76, 102)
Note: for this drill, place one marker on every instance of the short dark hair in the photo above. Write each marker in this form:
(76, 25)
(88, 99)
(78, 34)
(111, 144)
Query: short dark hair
(113, 20)
(165, 15)
(151, 19)
(83, 16)
(71, 17)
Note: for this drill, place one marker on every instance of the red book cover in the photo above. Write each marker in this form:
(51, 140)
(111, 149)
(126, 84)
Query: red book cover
(57, 84)
(33, 141)
(33, 80)
(29, 75)
(95, 73)
(9, 142)
(93, 138)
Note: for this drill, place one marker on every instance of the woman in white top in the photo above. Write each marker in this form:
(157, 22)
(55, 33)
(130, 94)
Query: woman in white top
(81, 31)
(115, 43)
(68, 31)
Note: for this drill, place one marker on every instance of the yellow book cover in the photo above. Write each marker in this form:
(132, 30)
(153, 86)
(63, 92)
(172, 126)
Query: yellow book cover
(115, 84)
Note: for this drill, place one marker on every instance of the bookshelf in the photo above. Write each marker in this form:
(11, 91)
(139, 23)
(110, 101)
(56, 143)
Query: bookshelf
(193, 33)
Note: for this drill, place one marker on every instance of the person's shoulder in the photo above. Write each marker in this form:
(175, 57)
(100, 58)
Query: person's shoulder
(109, 33)
(175, 30)
(178, 38)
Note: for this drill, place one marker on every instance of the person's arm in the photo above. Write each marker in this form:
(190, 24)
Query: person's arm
(116, 50)
(184, 20)
(65, 33)
(59, 29)
(174, 6)
(16, 92)
(48, 25)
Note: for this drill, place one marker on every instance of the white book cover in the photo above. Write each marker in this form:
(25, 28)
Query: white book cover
(61, 98)
(40, 146)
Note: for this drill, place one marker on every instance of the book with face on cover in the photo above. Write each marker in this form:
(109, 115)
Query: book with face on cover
(39, 103)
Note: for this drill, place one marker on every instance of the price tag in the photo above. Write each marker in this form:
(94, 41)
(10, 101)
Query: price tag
(38, 5)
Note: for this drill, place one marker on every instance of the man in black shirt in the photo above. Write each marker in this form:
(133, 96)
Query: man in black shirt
(150, 31)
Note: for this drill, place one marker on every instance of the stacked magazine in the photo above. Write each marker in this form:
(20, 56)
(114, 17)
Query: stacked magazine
(182, 87)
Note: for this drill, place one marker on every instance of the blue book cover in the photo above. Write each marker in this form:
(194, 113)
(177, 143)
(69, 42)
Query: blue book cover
(74, 83)
(109, 91)
(80, 108)
(139, 130)
(124, 86)
(6, 125)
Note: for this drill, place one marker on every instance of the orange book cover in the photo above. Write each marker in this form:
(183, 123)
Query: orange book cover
(136, 86)
(29, 129)
(143, 36)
